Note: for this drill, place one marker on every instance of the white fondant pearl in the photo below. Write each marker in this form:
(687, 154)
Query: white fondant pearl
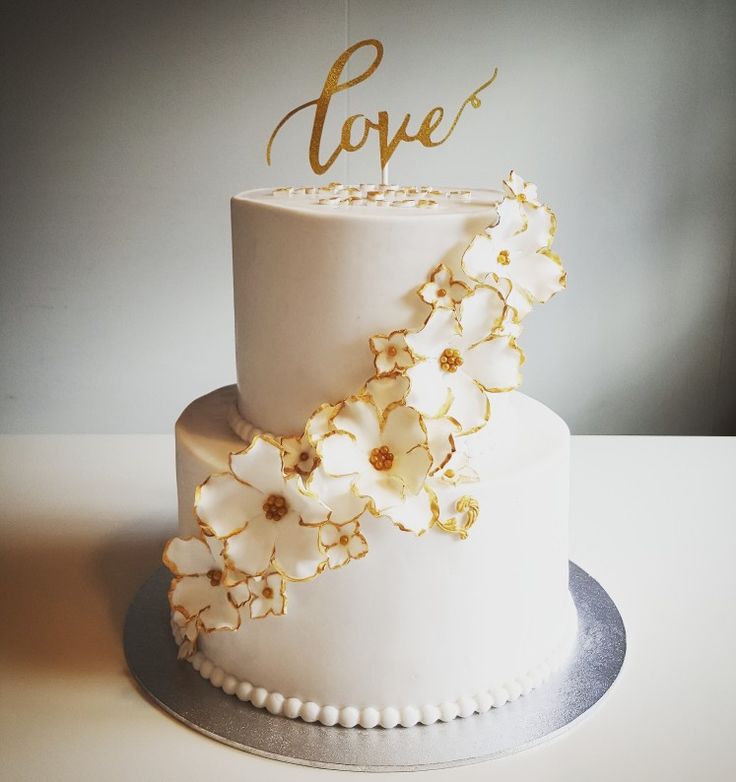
(500, 696)
(329, 715)
(309, 711)
(484, 701)
(466, 706)
(409, 716)
(292, 707)
(369, 717)
(430, 714)
(390, 717)
(448, 711)
(275, 702)
(244, 690)
(349, 717)
(206, 669)
(514, 690)
(217, 677)
(196, 660)
(527, 685)
(229, 685)
(258, 697)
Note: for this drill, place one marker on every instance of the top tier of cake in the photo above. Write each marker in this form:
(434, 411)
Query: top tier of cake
(313, 281)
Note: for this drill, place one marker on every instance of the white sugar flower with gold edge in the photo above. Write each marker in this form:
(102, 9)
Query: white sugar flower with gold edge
(390, 352)
(342, 542)
(202, 591)
(518, 248)
(386, 455)
(388, 390)
(524, 192)
(459, 360)
(267, 520)
(268, 596)
(297, 455)
(443, 290)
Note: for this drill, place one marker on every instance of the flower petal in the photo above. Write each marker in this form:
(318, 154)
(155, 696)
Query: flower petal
(224, 505)
(480, 313)
(307, 505)
(357, 546)
(298, 555)
(188, 557)
(381, 488)
(387, 389)
(417, 513)
(495, 364)
(470, 404)
(440, 438)
(192, 594)
(413, 467)
(239, 593)
(320, 423)
(221, 614)
(259, 465)
(250, 551)
(359, 417)
(403, 429)
(337, 495)
(430, 388)
(439, 330)
(342, 455)
(338, 556)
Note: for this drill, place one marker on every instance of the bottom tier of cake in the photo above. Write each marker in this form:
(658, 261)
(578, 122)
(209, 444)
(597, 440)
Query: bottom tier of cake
(423, 628)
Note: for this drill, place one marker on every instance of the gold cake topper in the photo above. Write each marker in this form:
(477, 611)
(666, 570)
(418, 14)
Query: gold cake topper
(387, 145)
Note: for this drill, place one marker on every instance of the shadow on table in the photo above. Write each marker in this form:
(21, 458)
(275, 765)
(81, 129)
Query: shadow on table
(65, 599)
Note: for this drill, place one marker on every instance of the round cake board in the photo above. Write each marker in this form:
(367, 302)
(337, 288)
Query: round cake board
(175, 686)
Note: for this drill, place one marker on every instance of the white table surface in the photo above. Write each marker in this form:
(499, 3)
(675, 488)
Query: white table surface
(83, 522)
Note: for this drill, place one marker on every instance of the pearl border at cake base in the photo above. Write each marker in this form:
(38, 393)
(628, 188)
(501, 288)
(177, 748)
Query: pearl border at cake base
(591, 669)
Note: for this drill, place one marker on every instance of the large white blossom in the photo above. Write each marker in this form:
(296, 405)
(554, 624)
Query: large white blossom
(268, 520)
(460, 359)
(386, 457)
(203, 595)
(518, 248)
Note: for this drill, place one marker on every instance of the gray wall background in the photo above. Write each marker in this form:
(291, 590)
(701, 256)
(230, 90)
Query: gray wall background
(126, 127)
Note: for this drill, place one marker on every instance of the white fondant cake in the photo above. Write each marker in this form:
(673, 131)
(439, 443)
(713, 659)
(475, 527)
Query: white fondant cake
(414, 519)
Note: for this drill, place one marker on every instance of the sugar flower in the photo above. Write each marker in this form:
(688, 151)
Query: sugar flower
(385, 455)
(203, 595)
(390, 353)
(266, 519)
(517, 248)
(524, 192)
(459, 360)
(268, 595)
(443, 290)
(342, 542)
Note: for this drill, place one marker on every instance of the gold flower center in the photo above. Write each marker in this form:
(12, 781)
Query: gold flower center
(391, 350)
(344, 540)
(267, 592)
(441, 292)
(450, 360)
(275, 507)
(303, 456)
(503, 258)
(215, 576)
(381, 458)
(521, 197)
(450, 473)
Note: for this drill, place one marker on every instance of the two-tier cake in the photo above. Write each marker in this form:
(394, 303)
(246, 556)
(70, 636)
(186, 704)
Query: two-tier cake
(374, 467)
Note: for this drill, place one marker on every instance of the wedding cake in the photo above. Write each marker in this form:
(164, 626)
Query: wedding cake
(375, 468)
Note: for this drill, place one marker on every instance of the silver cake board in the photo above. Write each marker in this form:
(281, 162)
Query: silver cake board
(569, 694)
